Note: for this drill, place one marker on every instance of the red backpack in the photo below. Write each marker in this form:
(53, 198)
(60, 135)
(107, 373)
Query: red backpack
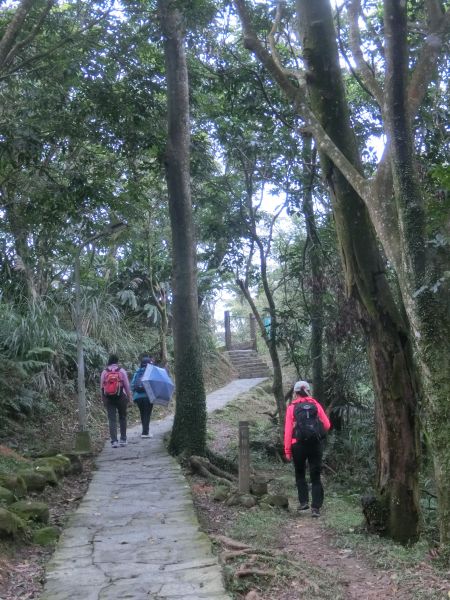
(112, 383)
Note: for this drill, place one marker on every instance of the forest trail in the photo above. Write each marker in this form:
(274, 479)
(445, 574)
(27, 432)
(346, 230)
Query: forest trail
(135, 534)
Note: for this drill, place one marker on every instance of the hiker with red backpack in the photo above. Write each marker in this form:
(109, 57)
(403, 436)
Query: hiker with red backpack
(305, 428)
(116, 394)
(140, 396)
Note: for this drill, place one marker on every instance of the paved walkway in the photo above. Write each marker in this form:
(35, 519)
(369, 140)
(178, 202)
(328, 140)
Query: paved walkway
(135, 534)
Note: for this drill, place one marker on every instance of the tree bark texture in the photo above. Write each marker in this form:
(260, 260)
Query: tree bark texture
(425, 288)
(387, 334)
(189, 428)
(315, 260)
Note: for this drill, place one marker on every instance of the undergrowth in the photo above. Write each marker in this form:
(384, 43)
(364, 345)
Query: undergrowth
(349, 473)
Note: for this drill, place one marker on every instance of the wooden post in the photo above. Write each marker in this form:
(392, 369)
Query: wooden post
(227, 330)
(244, 458)
(253, 332)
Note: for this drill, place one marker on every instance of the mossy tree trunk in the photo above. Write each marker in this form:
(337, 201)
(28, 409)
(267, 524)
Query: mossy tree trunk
(316, 262)
(365, 271)
(189, 428)
(423, 265)
(387, 335)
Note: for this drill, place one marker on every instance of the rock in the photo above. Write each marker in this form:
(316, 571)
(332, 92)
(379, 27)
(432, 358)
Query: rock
(277, 500)
(34, 481)
(28, 510)
(6, 496)
(67, 463)
(76, 466)
(60, 464)
(10, 524)
(258, 487)
(233, 500)
(47, 536)
(48, 473)
(14, 483)
(247, 500)
(252, 595)
(221, 493)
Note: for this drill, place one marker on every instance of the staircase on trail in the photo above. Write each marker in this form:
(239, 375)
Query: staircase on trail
(248, 364)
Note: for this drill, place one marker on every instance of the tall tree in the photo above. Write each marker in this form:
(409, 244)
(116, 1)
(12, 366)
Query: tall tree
(189, 428)
(389, 349)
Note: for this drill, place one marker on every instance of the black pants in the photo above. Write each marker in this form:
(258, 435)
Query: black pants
(113, 407)
(145, 409)
(311, 452)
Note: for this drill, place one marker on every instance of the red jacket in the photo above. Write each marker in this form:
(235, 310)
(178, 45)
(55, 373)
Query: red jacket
(289, 423)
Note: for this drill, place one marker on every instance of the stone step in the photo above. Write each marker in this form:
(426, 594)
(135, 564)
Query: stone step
(248, 364)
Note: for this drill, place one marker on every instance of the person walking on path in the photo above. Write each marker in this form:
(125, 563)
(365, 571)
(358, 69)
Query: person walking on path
(116, 394)
(140, 396)
(305, 427)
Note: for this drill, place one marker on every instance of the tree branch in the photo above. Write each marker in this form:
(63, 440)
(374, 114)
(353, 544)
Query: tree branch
(297, 95)
(363, 69)
(19, 45)
(13, 29)
(425, 69)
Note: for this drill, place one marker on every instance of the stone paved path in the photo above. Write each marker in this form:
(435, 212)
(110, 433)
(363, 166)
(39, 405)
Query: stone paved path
(135, 534)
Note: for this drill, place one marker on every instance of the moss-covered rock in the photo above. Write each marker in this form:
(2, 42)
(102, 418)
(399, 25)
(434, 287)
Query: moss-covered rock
(29, 510)
(6, 496)
(66, 462)
(48, 473)
(221, 493)
(60, 464)
(258, 487)
(10, 523)
(76, 466)
(47, 536)
(277, 500)
(247, 500)
(14, 483)
(34, 480)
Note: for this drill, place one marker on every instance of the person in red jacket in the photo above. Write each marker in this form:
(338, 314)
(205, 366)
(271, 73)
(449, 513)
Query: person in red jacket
(309, 447)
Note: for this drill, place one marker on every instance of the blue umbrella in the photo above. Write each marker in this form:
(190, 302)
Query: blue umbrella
(158, 384)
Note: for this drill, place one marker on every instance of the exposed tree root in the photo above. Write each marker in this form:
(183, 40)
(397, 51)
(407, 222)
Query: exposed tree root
(203, 467)
(249, 572)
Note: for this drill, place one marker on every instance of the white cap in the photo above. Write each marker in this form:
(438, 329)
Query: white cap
(301, 385)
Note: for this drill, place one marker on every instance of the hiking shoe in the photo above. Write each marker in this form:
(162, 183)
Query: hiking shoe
(123, 443)
(146, 435)
(114, 444)
(303, 506)
(315, 512)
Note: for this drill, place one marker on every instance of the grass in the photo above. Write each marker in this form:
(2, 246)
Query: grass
(342, 515)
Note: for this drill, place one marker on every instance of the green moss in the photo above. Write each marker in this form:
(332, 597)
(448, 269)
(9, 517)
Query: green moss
(10, 523)
(6, 496)
(48, 473)
(34, 481)
(14, 483)
(59, 463)
(47, 536)
(28, 510)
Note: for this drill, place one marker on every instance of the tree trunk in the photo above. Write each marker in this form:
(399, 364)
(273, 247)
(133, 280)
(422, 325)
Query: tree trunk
(387, 335)
(424, 286)
(271, 343)
(189, 428)
(315, 259)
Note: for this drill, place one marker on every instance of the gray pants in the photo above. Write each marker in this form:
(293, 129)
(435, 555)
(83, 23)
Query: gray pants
(114, 406)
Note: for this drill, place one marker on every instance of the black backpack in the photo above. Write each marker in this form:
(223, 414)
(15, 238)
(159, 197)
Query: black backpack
(308, 427)
(138, 385)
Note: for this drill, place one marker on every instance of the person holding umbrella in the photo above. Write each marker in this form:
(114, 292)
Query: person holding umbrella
(140, 396)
